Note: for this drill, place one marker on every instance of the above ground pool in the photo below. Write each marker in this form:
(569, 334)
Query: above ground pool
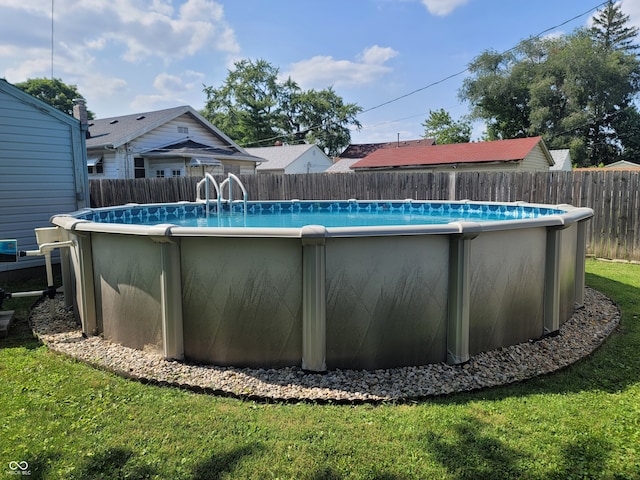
(324, 284)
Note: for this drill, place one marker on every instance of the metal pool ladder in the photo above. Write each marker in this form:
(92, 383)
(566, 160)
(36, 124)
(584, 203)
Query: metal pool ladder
(229, 181)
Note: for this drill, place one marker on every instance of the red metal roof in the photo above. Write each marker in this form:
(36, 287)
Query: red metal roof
(361, 150)
(431, 155)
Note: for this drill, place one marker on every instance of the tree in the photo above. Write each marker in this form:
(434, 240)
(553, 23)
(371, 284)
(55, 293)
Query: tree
(610, 28)
(245, 106)
(255, 109)
(443, 129)
(321, 117)
(498, 94)
(54, 92)
(569, 89)
(628, 121)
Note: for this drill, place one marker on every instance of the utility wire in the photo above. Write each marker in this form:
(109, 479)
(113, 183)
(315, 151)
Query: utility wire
(467, 69)
(449, 77)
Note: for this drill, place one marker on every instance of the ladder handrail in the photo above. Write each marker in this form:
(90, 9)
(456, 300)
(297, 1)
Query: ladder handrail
(227, 181)
(207, 176)
(205, 180)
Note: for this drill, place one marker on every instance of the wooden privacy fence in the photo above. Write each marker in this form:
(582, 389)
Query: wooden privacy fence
(614, 231)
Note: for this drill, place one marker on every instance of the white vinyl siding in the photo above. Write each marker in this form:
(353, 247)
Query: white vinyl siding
(167, 134)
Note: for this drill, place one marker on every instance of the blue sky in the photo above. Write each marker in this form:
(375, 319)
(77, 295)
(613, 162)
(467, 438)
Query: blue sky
(130, 56)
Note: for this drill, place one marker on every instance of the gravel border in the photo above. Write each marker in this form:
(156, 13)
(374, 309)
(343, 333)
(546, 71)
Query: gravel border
(581, 335)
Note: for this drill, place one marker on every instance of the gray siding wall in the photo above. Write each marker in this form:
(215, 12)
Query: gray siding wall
(38, 177)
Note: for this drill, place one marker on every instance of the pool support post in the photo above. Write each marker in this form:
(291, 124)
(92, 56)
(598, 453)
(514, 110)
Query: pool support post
(459, 293)
(552, 280)
(314, 298)
(581, 254)
(86, 292)
(170, 293)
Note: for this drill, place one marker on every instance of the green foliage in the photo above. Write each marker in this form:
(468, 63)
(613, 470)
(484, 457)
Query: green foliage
(54, 92)
(576, 90)
(255, 109)
(71, 421)
(443, 129)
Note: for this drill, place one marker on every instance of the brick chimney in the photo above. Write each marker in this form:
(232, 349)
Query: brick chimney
(80, 112)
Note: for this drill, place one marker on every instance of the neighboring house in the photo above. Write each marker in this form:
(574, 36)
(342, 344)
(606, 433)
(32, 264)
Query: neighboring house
(164, 143)
(523, 154)
(42, 168)
(357, 151)
(304, 158)
(562, 160)
(623, 164)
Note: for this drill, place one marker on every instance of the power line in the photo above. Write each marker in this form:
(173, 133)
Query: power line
(449, 77)
(467, 69)
(51, 39)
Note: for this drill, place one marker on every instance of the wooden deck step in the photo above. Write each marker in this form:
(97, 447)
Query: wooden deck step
(6, 317)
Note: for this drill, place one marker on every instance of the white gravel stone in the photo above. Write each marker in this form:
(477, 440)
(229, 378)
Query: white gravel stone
(578, 337)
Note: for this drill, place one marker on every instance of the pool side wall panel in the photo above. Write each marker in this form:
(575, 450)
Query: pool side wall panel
(386, 301)
(507, 288)
(242, 300)
(127, 272)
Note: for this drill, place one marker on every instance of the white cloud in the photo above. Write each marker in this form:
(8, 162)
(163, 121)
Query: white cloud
(97, 44)
(377, 55)
(442, 7)
(632, 8)
(325, 71)
(168, 83)
(170, 90)
(145, 28)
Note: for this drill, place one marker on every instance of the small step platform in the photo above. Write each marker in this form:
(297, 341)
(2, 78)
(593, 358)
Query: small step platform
(6, 317)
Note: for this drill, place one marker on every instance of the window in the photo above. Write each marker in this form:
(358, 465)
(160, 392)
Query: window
(138, 168)
(176, 173)
(159, 173)
(94, 165)
(183, 129)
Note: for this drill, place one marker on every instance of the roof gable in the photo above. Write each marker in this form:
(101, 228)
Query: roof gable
(561, 159)
(280, 157)
(456, 153)
(116, 131)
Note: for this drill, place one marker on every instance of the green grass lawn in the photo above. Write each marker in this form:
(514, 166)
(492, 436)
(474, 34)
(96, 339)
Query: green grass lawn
(70, 421)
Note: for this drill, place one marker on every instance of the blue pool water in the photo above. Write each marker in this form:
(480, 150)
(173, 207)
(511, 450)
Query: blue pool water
(296, 214)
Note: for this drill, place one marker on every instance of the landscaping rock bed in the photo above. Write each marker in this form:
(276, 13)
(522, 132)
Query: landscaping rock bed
(577, 338)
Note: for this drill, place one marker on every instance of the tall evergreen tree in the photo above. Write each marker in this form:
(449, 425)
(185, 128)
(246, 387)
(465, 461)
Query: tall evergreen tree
(611, 29)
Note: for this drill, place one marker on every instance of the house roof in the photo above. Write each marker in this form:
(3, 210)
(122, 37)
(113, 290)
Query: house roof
(280, 157)
(361, 150)
(202, 154)
(343, 165)
(623, 164)
(116, 131)
(457, 153)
